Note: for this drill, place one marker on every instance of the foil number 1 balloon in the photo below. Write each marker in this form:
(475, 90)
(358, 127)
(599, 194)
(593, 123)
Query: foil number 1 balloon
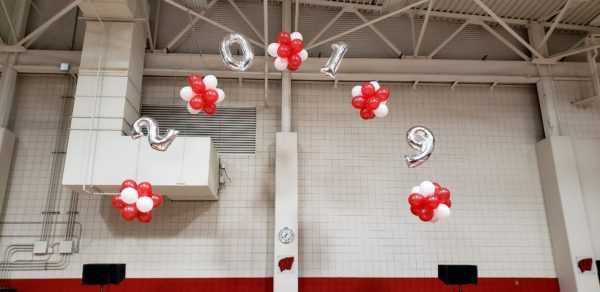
(422, 140)
(334, 61)
(228, 59)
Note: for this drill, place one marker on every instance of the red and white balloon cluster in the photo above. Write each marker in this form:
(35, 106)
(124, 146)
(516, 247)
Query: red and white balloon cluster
(202, 94)
(371, 100)
(430, 202)
(136, 201)
(288, 51)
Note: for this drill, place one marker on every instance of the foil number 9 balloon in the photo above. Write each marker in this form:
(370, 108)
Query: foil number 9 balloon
(228, 59)
(334, 61)
(157, 142)
(422, 140)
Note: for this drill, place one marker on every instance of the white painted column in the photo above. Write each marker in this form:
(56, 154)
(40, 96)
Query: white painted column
(546, 89)
(285, 276)
(7, 137)
(565, 209)
(19, 14)
(561, 184)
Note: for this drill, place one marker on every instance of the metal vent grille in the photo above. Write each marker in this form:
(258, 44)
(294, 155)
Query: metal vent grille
(233, 129)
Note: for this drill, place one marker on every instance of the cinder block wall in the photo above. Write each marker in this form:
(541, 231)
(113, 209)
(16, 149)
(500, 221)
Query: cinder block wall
(354, 218)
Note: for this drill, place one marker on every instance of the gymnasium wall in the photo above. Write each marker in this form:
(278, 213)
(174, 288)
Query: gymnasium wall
(356, 231)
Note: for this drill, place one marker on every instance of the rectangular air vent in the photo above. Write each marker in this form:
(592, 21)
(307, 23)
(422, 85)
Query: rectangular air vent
(233, 129)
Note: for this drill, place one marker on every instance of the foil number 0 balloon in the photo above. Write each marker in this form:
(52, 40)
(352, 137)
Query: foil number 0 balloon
(228, 59)
(422, 140)
(334, 61)
(157, 142)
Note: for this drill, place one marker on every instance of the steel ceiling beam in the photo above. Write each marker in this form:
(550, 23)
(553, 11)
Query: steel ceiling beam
(506, 42)
(221, 26)
(246, 20)
(508, 28)
(449, 39)
(571, 52)
(147, 24)
(9, 20)
(327, 26)
(558, 18)
(32, 36)
(378, 19)
(423, 28)
(379, 34)
(175, 41)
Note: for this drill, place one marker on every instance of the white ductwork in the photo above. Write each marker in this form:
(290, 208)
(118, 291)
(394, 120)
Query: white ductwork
(107, 102)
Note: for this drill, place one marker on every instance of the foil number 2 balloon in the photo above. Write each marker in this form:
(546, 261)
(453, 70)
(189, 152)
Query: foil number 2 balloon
(422, 140)
(157, 142)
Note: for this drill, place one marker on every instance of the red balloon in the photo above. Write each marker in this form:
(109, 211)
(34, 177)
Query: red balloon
(117, 202)
(416, 200)
(437, 186)
(196, 83)
(426, 214)
(158, 200)
(129, 183)
(210, 109)
(284, 51)
(415, 210)
(284, 38)
(366, 114)
(368, 90)
(448, 203)
(197, 103)
(383, 94)
(373, 103)
(432, 202)
(193, 78)
(443, 194)
(358, 102)
(294, 61)
(297, 45)
(144, 217)
(145, 189)
(210, 96)
(129, 212)
(292, 68)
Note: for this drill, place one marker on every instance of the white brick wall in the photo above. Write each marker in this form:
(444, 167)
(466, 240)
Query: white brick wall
(354, 219)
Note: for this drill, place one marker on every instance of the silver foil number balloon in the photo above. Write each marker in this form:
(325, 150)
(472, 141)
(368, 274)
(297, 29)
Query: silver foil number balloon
(334, 61)
(422, 140)
(227, 57)
(157, 142)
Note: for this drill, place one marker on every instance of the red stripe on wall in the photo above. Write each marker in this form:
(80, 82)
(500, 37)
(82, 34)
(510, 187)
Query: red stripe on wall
(306, 285)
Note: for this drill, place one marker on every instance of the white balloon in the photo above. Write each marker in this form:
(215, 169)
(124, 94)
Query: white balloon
(129, 195)
(427, 188)
(210, 81)
(376, 85)
(303, 55)
(191, 110)
(442, 212)
(280, 64)
(296, 35)
(186, 93)
(415, 190)
(144, 204)
(356, 91)
(221, 94)
(272, 49)
(381, 111)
